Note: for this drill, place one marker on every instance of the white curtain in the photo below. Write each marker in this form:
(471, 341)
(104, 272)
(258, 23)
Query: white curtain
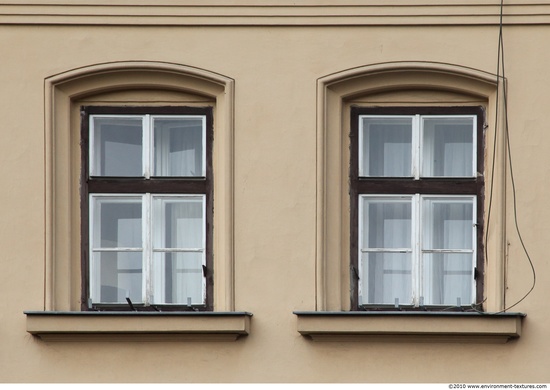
(448, 147)
(386, 251)
(386, 147)
(389, 263)
(178, 147)
(117, 146)
(178, 250)
(448, 251)
(387, 254)
(117, 257)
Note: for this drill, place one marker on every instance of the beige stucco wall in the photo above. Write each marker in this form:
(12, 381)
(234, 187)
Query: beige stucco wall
(275, 57)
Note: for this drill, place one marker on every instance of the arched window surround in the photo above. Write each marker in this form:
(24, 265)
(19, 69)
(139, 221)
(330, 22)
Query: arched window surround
(126, 83)
(394, 83)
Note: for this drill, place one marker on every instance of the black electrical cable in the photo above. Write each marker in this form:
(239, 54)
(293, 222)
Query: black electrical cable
(495, 137)
(497, 104)
(500, 65)
(512, 180)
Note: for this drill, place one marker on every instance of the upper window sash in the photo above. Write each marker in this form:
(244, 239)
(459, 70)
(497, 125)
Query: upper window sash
(147, 146)
(417, 146)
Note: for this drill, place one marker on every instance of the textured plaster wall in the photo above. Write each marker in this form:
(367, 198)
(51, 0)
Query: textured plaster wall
(275, 71)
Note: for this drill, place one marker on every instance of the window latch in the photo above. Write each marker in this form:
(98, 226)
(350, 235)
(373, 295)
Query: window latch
(190, 304)
(130, 304)
(355, 273)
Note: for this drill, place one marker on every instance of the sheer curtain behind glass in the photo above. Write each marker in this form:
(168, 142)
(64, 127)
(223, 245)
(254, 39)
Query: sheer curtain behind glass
(448, 147)
(386, 250)
(447, 260)
(386, 147)
(414, 247)
(178, 146)
(178, 249)
(117, 252)
(117, 146)
(448, 250)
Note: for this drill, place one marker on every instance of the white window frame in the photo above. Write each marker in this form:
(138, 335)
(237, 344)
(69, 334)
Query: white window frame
(417, 250)
(147, 248)
(417, 143)
(147, 142)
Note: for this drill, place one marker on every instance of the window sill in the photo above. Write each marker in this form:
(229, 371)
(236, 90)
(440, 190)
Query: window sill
(138, 326)
(410, 326)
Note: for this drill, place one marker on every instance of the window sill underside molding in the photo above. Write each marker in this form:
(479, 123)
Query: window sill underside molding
(410, 326)
(138, 326)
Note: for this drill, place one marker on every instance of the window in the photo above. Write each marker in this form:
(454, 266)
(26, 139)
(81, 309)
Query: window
(377, 90)
(147, 207)
(416, 206)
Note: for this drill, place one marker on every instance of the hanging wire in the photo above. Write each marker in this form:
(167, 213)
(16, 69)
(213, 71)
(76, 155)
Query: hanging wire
(497, 104)
(500, 65)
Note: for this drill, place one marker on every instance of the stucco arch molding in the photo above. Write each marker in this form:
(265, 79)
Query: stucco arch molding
(100, 78)
(391, 76)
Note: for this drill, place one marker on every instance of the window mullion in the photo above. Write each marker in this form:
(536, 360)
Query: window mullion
(417, 250)
(147, 245)
(147, 142)
(416, 142)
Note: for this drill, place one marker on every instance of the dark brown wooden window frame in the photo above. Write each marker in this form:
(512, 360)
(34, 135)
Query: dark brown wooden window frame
(408, 186)
(133, 185)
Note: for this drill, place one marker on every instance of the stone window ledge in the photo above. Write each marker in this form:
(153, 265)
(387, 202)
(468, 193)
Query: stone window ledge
(410, 326)
(138, 326)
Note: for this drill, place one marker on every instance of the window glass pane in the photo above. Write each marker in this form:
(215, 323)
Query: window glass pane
(178, 277)
(386, 147)
(448, 147)
(386, 223)
(385, 277)
(178, 222)
(116, 275)
(448, 223)
(117, 146)
(179, 147)
(446, 277)
(117, 222)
